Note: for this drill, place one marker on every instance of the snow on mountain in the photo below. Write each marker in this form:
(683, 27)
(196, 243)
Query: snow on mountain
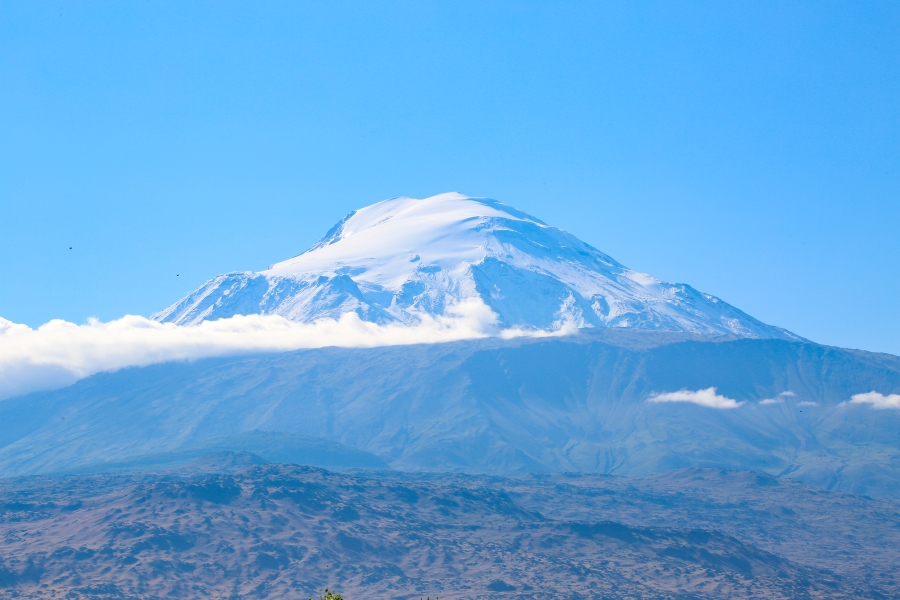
(400, 259)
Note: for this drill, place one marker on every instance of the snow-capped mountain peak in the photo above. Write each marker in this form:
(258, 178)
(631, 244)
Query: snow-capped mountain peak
(400, 259)
(386, 237)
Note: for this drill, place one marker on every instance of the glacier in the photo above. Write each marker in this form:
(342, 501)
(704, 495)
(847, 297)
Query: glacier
(403, 258)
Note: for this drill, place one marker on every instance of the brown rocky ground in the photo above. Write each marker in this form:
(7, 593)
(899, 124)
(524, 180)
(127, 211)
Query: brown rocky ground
(285, 531)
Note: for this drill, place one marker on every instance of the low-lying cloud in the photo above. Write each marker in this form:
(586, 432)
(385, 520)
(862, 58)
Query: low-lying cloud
(707, 397)
(779, 399)
(877, 401)
(59, 353)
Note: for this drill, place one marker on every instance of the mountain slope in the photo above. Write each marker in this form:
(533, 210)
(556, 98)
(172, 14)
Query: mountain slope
(400, 259)
(577, 403)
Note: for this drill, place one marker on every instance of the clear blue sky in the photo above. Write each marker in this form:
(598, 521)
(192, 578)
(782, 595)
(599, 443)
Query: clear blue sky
(749, 149)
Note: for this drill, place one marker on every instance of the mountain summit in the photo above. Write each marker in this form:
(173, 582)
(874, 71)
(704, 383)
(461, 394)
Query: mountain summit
(401, 259)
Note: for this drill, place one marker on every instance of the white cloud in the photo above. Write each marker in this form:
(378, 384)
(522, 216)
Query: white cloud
(707, 397)
(59, 353)
(877, 401)
(778, 399)
(807, 403)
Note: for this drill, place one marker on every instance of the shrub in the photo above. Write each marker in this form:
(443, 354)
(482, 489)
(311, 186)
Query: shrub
(329, 595)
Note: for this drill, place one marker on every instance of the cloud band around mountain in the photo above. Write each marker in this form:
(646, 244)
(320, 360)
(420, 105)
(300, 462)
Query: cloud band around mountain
(59, 353)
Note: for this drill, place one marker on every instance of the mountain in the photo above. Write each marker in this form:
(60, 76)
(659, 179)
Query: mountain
(572, 403)
(401, 259)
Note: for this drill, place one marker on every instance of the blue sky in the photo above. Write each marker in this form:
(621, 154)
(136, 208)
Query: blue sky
(749, 149)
